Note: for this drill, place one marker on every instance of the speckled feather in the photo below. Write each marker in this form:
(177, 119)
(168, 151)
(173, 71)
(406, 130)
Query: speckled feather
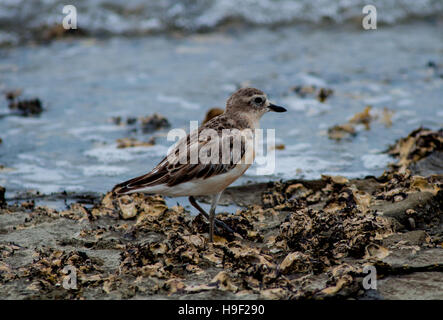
(170, 173)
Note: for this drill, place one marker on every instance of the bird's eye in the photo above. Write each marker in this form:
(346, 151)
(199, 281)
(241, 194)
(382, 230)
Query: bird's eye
(258, 100)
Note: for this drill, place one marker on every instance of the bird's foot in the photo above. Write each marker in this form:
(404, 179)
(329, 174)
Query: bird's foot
(223, 230)
(221, 224)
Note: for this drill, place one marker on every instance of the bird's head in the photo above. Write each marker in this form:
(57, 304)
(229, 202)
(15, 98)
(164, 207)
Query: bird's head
(251, 101)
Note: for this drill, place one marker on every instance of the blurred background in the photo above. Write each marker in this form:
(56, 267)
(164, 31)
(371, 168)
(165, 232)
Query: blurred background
(78, 105)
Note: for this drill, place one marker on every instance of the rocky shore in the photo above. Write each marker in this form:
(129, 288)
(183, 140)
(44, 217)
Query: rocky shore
(295, 239)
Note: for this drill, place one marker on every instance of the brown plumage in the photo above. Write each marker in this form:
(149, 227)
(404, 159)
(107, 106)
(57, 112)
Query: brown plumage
(177, 175)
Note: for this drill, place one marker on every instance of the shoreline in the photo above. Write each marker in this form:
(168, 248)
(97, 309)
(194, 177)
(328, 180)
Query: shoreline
(296, 239)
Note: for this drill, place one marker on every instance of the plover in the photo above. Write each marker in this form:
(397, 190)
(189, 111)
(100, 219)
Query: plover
(224, 150)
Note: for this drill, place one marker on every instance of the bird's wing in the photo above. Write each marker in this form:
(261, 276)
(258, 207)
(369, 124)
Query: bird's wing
(182, 165)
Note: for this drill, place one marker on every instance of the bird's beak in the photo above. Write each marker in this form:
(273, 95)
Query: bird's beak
(273, 107)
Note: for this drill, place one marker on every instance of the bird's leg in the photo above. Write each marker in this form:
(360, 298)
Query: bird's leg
(197, 206)
(203, 212)
(215, 199)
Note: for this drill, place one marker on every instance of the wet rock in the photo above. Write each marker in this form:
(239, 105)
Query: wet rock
(119, 121)
(28, 204)
(386, 117)
(27, 107)
(323, 94)
(147, 124)
(419, 144)
(131, 120)
(432, 164)
(431, 64)
(363, 117)
(375, 251)
(76, 211)
(419, 202)
(335, 179)
(57, 31)
(23, 107)
(339, 132)
(12, 95)
(132, 142)
(304, 90)
(419, 285)
(410, 259)
(212, 113)
(154, 122)
(279, 147)
(412, 238)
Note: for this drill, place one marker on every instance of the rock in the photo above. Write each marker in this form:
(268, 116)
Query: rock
(302, 91)
(374, 251)
(341, 131)
(148, 124)
(418, 201)
(119, 121)
(132, 142)
(432, 164)
(413, 238)
(386, 118)
(336, 179)
(28, 204)
(57, 31)
(419, 144)
(363, 117)
(12, 94)
(417, 285)
(27, 107)
(279, 147)
(414, 259)
(323, 94)
(154, 122)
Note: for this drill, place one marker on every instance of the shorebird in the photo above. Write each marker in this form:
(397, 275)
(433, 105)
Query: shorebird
(224, 150)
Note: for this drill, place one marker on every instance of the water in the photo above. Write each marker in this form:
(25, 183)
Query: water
(23, 18)
(83, 83)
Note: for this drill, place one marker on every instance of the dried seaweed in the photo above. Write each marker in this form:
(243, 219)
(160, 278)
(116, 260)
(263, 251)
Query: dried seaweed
(303, 240)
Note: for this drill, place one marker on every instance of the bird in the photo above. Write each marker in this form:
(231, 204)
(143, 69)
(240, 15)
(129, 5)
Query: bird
(210, 158)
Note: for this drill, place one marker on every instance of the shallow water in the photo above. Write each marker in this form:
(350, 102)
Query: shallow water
(83, 83)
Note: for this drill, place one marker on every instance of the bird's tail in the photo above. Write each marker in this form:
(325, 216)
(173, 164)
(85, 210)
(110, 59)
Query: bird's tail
(123, 188)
